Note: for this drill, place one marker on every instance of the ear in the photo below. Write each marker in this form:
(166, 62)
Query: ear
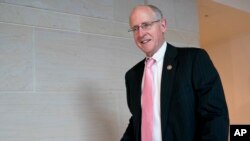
(163, 25)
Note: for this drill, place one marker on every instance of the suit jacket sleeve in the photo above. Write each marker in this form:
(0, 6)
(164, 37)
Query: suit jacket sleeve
(213, 121)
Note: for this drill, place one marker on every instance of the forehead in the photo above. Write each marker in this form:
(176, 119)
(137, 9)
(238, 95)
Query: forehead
(141, 14)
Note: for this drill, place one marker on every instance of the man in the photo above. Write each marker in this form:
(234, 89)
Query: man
(179, 96)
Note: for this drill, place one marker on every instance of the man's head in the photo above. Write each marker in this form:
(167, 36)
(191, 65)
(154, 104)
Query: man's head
(148, 27)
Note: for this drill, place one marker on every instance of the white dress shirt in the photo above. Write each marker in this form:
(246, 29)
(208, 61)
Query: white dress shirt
(157, 71)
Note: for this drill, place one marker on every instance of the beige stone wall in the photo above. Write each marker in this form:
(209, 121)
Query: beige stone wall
(63, 64)
(234, 69)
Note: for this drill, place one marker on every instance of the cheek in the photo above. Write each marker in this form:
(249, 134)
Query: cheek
(159, 36)
(136, 39)
(137, 43)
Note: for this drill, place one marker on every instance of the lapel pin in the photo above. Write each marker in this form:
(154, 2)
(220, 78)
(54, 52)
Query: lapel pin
(169, 67)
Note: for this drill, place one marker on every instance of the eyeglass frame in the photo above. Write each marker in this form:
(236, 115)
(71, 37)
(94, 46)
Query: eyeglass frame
(144, 26)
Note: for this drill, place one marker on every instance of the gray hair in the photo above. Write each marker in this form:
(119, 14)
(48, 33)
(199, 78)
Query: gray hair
(157, 11)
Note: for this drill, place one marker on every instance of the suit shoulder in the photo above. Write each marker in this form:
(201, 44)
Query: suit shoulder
(191, 51)
(186, 50)
(136, 67)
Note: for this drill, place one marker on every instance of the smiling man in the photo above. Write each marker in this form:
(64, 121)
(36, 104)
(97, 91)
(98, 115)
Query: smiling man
(141, 20)
(173, 94)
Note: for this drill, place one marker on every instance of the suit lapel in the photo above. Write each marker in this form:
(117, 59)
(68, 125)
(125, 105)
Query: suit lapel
(137, 88)
(138, 77)
(168, 75)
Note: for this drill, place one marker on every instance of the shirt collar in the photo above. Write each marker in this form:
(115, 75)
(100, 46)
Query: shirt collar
(158, 56)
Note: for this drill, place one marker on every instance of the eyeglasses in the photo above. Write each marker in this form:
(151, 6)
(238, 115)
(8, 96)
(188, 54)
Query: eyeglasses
(144, 26)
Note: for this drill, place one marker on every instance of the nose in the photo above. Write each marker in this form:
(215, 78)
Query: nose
(140, 32)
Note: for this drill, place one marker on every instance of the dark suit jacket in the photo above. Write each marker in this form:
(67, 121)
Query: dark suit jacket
(193, 106)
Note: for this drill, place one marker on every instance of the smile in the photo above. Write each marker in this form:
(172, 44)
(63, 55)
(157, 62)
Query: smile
(145, 41)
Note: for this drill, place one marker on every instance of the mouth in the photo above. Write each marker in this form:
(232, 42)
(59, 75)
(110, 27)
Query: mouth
(145, 41)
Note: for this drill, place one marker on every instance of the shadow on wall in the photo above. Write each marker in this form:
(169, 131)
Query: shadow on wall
(98, 113)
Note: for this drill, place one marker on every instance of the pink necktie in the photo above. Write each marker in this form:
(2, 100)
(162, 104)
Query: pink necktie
(147, 102)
